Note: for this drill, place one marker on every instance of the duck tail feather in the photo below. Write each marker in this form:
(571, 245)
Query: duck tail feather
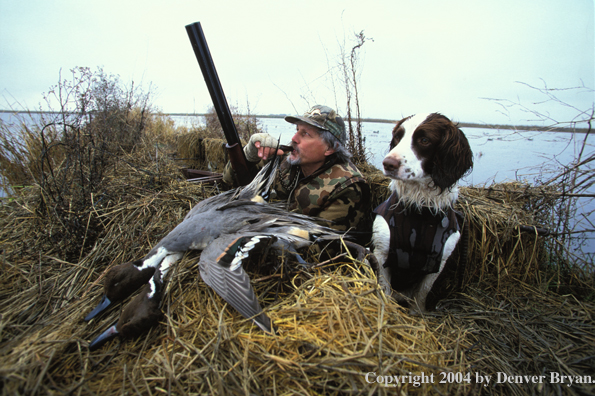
(262, 183)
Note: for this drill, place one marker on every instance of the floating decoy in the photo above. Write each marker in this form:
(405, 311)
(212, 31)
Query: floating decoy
(227, 228)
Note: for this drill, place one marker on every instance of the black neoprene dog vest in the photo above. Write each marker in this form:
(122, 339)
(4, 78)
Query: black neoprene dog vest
(417, 238)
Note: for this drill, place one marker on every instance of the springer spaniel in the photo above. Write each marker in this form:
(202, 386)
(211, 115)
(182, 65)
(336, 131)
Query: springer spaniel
(415, 230)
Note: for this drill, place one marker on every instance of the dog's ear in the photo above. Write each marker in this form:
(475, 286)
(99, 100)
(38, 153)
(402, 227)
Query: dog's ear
(453, 158)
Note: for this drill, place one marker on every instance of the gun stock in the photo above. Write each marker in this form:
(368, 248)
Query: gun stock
(243, 169)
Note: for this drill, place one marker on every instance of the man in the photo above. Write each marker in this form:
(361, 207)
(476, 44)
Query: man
(318, 178)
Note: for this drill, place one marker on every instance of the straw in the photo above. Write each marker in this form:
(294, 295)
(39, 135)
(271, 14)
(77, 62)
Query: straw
(334, 325)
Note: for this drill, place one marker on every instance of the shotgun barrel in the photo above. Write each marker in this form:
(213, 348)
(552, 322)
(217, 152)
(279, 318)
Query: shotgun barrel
(244, 170)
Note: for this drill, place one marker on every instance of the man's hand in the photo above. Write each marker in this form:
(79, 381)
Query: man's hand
(260, 147)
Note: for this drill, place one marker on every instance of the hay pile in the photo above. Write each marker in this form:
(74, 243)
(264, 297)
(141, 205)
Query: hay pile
(502, 247)
(334, 324)
(200, 152)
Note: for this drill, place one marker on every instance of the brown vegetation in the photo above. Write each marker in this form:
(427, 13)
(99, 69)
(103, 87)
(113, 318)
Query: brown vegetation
(500, 314)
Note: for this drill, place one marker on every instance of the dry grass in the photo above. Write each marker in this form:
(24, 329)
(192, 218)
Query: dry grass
(202, 152)
(334, 324)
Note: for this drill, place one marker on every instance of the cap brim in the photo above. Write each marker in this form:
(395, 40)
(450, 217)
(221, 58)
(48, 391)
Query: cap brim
(309, 121)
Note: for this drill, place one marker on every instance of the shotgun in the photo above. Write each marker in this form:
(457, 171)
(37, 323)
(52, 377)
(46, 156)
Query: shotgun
(244, 170)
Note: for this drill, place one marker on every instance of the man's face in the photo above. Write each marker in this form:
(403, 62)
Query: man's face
(309, 150)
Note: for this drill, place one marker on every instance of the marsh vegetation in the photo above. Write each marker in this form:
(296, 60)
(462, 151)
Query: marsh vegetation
(99, 183)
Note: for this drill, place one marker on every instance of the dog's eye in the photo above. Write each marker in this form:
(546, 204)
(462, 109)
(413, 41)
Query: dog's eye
(424, 141)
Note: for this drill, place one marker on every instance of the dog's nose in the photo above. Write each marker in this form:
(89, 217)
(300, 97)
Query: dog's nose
(391, 164)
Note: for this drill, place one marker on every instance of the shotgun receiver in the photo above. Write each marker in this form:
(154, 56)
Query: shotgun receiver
(244, 171)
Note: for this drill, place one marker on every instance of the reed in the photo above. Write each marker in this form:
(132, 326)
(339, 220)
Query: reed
(334, 323)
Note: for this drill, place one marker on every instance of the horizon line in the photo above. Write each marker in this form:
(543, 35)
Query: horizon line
(461, 124)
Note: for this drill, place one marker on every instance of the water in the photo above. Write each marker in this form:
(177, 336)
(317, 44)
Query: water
(499, 154)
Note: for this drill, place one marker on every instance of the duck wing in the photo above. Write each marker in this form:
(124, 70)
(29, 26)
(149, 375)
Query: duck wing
(221, 268)
(215, 215)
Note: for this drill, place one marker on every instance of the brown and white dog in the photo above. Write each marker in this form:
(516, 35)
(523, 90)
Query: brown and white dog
(416, 230)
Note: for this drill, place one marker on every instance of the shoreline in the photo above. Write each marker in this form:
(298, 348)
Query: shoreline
(461, 124)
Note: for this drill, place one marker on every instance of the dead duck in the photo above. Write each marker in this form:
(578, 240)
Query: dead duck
(140, 314)
(227, 228)
(221, 268)
(204, 223)
(122, 280)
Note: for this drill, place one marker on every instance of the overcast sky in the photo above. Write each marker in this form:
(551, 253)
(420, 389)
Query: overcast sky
(454, 57)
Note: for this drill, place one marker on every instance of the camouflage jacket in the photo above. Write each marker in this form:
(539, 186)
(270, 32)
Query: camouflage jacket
(337, 191)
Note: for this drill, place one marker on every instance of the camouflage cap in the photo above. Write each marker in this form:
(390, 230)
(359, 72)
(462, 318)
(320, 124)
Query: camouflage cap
(325, 118)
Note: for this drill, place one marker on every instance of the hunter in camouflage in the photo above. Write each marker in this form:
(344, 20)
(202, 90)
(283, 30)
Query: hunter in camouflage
(317, 179)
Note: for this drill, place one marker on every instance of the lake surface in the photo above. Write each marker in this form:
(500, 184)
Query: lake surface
(499, 154)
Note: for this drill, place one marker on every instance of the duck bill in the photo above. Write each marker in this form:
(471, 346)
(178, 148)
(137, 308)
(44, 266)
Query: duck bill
(104, 337)
(105, 302)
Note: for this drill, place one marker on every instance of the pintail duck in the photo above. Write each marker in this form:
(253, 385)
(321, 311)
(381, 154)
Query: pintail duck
(140, 314)
(227, 228)
(204, 223)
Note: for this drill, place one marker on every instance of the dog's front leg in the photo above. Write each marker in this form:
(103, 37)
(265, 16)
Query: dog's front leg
(421, 293)
(381, 242)
(422, 290)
